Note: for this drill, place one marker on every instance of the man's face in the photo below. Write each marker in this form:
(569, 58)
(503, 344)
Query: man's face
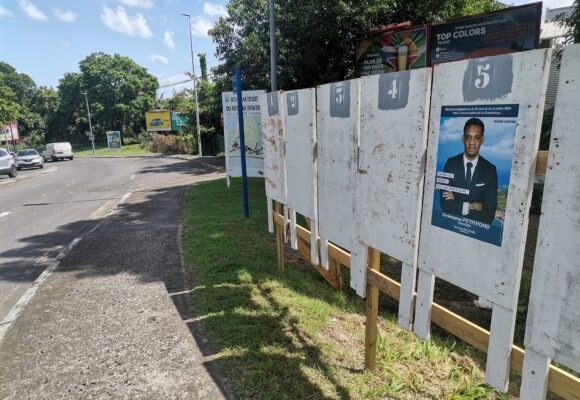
(472, 141)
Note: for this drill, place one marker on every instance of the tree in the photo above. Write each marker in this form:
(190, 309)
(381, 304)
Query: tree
(119, 93)
(9, 109)
(573, 21)
(316, 40)
(203, 65)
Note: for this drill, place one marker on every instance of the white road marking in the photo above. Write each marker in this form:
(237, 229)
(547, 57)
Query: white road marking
(53, 264)
(26, 297)
(5, 213)
(6, 182)
(133, 177)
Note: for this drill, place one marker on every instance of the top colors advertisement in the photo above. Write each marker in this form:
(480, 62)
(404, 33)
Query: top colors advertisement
(507, 31)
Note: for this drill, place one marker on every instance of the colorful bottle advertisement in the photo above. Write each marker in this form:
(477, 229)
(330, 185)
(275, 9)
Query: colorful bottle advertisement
(393, 51)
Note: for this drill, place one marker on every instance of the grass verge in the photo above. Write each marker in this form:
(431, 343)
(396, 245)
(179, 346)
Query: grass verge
(127, 150)
(290, 335)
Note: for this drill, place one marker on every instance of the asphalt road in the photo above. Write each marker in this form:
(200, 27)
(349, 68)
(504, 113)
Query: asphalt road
(42, 211)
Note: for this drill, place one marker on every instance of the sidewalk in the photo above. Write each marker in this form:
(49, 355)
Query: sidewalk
(111, 321)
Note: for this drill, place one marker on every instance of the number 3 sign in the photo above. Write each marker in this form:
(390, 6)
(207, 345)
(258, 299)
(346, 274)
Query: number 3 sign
(488, 78)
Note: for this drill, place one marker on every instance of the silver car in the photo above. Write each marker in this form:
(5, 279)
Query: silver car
(7, 164)
(28, 158)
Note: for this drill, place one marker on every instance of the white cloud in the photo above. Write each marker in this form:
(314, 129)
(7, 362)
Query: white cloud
(155, 58)
(168, 40)
(31, 10)
(200, 26)
(138, 3)
(118, 20)
(66, 44)
(504, 148)
(451, 129)
(65, 16)
(214, 10)
(5, 12)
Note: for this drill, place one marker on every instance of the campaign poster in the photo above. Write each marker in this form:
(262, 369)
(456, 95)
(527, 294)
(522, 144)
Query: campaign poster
(252, 118)
(506, 31)
(393, 51)
(474, 157)
(114, 139)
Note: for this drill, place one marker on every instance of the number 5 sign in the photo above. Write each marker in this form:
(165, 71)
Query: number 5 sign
(488, 78)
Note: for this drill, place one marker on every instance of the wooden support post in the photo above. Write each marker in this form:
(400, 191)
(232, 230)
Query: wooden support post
(337, 271)
(424, 305)
(372, 303)
(280, 240)
(499, 352)
(270, 215)
(535, 376)
(407, 294)
(293, 237)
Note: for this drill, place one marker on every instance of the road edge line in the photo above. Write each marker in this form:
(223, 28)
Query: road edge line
(21, 304)
(19, 307)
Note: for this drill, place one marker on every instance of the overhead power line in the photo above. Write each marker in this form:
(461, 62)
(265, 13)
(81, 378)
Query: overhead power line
(175, 83)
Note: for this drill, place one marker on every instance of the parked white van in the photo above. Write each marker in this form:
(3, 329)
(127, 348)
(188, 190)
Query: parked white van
(57, 151)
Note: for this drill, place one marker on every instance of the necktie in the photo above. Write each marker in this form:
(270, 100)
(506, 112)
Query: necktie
(468, 174)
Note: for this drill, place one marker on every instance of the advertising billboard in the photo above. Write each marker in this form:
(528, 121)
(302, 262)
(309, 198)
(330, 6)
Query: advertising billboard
(114, 139)
(9, 133)
(158, 121)
(507, 31)
(392, 51)
(252, 133)
(178, 121)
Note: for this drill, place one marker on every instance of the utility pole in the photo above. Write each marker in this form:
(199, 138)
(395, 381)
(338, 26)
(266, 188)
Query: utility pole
(273, 56)
(194, 82)
(92, 137)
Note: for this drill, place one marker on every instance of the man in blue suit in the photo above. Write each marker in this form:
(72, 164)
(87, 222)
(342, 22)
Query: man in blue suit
(474, 174)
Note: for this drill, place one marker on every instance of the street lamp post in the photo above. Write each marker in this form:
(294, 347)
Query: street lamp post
(194, 83)
(92, 137)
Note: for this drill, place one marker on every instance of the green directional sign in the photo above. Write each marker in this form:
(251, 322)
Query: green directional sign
(178, 121)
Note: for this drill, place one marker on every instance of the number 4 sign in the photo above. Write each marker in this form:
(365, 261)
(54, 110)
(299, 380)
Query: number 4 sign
(394, 90)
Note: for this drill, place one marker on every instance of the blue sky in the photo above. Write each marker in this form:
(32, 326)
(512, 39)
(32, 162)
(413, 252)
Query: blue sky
(47, 38)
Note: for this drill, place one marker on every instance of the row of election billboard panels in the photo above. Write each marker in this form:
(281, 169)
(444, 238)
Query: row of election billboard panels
(165, 121)
(445, 191)
(401, 47)
(397, 47)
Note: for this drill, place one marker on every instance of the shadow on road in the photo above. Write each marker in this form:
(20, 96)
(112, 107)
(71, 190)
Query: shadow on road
(142, 240)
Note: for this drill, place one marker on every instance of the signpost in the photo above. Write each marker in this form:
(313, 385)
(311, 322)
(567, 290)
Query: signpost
(238, 90)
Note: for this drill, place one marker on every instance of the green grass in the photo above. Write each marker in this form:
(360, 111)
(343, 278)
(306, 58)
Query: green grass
(128, 150)
(290, 335)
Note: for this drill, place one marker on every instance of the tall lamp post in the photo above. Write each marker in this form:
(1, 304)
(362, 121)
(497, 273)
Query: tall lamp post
(194, 83)
(90, 125)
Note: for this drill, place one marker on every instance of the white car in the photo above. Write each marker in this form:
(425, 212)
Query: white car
(57, 151)
(28, 158)
(7, 164)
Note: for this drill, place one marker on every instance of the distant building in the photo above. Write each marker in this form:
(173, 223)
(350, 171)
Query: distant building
(553, 13)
